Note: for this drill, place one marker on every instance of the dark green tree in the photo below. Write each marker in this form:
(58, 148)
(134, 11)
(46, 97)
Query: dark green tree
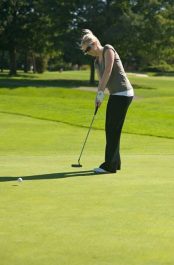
(140, 30)
(154, 28)
(25, 27)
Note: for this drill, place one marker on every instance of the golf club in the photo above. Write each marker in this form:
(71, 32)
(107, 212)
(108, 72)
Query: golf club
(79, 165)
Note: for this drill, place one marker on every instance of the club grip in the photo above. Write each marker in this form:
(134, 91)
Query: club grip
(96, 109)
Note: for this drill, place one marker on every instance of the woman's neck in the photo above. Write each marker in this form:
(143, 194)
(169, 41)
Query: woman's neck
(99, 51)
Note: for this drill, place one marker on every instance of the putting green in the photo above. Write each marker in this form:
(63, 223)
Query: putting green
(67, 216)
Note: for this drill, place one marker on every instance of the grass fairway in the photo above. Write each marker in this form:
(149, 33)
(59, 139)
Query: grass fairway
(59, 215)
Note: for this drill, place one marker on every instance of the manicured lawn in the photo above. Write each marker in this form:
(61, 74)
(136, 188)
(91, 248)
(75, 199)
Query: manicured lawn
(150, 114)
(62, 215)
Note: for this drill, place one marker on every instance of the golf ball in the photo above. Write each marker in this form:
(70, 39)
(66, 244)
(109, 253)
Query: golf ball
(20, 179)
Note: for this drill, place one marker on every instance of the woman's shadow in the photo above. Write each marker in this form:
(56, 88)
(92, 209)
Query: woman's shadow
(52, 176)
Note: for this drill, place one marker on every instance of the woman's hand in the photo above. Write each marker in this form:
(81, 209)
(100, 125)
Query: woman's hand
(99, 98)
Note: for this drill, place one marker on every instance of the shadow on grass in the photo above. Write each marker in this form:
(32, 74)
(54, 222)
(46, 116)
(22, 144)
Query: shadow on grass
(12, 83)
(164, 74)
(142, 87)
(52, 176)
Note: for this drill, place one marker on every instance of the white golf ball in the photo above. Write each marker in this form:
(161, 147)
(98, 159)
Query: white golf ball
(20, 179)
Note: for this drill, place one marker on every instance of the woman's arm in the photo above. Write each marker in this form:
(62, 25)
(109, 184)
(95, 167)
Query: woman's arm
(109, 61)
(98, 74)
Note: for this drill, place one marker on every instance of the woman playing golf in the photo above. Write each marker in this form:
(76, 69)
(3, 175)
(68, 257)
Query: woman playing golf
(113, 77)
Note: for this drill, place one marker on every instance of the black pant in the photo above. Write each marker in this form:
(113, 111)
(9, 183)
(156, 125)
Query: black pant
(115, 115)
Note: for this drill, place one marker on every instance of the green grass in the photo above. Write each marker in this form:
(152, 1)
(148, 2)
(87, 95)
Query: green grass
(67, 216)
(150, 114)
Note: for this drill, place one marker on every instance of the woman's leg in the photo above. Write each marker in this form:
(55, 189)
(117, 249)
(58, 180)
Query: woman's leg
(115, 115)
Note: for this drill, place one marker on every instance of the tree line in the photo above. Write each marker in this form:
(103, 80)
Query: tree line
(39, 32)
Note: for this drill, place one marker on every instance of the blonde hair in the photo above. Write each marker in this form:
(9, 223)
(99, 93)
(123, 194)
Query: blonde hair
(88, 37)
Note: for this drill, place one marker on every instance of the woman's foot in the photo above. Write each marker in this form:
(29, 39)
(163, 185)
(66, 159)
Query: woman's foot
(100, 170)
(110, 167)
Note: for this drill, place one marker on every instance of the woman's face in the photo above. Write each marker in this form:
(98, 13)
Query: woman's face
(89, 49)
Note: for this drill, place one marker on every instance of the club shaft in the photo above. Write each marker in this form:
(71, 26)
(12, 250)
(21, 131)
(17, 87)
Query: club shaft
(86, 137)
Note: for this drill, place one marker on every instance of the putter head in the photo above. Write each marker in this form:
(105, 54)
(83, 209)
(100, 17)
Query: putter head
(76, 165)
